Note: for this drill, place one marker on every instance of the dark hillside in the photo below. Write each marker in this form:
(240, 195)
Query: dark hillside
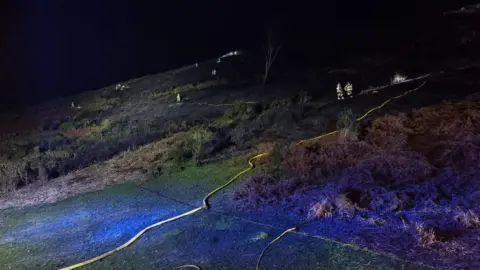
(398, 174)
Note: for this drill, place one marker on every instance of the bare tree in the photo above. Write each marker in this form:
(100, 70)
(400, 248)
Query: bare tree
(272, 52)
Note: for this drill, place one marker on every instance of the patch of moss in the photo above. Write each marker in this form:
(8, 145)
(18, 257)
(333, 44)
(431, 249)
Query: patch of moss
(261, 235)
(20, 256)
(240, 110)
(220, 171)
(207, 176)
(104, 125)
(10, 253)
(67, 126)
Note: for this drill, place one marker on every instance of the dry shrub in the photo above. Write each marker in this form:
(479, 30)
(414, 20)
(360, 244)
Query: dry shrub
(17, 174)
(9, 174)
(276, 151)
(427, 120)
(78, 132)
(322, 209)
(360, 189)
(344, 205)
(449, 134)
(429, 235)
(359, 197)
(150, 155)
(177, 148)
(458, 155)
(389, 132)
(333, 203)
(263, 147)
(469, 219)
(426, 237)
(321, 161)
(390, 169)
(449, 121)
(263, 190)
(198, 143)
(466, 127)
(340, 205)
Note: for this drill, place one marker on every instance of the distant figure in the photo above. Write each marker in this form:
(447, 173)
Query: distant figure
(75, 106)
(339, 92)
(214, 72)
(398, 78)
(219, 60)
(196, 64)
(179, 98)
(349, 90)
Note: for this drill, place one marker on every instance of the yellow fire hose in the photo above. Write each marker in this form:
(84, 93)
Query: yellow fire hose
(187, 266)
(205, 200)
(271, 243)
(204, 206)
(133, 239)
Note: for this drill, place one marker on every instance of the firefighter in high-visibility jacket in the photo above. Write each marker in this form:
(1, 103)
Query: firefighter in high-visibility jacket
(349, 90)
(339, 92)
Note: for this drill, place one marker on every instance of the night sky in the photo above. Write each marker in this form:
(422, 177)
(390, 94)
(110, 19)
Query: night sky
(56, 47)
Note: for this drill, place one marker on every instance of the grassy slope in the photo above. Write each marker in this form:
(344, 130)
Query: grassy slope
(52, 139)
(191, 183)
(63, 233)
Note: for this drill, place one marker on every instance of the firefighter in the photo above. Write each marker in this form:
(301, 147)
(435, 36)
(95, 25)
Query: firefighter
(349, 90)
(339, 92)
